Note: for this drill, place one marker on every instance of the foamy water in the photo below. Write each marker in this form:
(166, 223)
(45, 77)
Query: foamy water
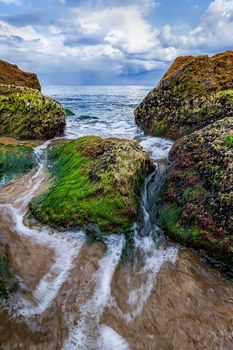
(107, 111)
(109, 114)
(85, 334)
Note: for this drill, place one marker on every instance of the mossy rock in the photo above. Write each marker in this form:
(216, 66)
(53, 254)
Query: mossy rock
(195, 92)
(15, 160)
(27, 114)
(69, 112)
(196, 205)
(95, 181)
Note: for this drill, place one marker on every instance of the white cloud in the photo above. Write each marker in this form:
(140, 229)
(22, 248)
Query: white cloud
(117, 40)
(118, 26)
(215, 29)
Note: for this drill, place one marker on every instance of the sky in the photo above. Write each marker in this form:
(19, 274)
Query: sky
(115, 42)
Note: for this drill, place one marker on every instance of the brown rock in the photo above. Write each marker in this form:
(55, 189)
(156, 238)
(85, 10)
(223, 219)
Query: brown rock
(194, 92)
(11, 74)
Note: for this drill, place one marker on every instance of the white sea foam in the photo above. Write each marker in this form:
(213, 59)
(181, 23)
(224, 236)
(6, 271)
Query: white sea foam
(111, 340)
(157, 147)
(66, 246)
(152, 259)
(85, 334)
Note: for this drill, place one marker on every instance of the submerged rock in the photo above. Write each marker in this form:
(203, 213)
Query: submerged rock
(15, 160)
(95, 181)
(28, 114)
(197, 204)
(10, 74)
(69, 112)
(194, 92)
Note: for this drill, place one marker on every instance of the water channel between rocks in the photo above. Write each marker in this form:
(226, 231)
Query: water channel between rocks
(81, 295)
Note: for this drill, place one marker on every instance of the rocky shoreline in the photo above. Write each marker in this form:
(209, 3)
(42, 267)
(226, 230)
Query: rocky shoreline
(96, 182)
(193, 105)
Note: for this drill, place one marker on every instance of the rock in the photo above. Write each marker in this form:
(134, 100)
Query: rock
(10, 74)
(27, 114)
(95, 181)
(5, 274)
(69, 112)
(15, 160)
(196, 206)
(195, 92)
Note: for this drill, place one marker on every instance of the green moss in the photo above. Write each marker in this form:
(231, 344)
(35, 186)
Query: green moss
(28, 114)
(229, 141)
(169, 221)
(185, 86)
(202, 112)
(87, 174)
(194, 194)
(69, 112)
(228, 94)
(159, 128)
(15, 160)
(169, 217)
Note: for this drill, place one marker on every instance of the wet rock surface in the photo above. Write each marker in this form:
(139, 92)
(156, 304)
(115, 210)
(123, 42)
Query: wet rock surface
(187, 308)
(27, 114)
(4, 268)
(197, 201)
(194, 92)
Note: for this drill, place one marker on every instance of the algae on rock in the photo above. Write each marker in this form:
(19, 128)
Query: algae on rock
(197, 200)
(28, 114)
(15, 160)
(195, 92)
(95, 181)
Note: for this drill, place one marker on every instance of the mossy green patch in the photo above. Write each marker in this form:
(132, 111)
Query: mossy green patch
(69, 112)
(169, 221)
(28, 114)
(15, 160)
(94, 181)
(202, 111)
(229, 140)
(228, 94)
(194, 194)
(158, 128)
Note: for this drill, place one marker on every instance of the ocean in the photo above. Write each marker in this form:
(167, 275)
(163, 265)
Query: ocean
(106, 111)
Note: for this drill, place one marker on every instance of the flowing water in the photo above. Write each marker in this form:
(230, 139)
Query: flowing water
(76, 294)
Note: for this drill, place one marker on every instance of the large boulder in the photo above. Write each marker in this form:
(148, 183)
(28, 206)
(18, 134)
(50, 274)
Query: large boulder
(27, 114)
(10, 74)
(194, 92)
(95, 181)
(196, 206)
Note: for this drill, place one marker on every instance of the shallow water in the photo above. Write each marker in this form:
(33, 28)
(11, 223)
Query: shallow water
(79, 295)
